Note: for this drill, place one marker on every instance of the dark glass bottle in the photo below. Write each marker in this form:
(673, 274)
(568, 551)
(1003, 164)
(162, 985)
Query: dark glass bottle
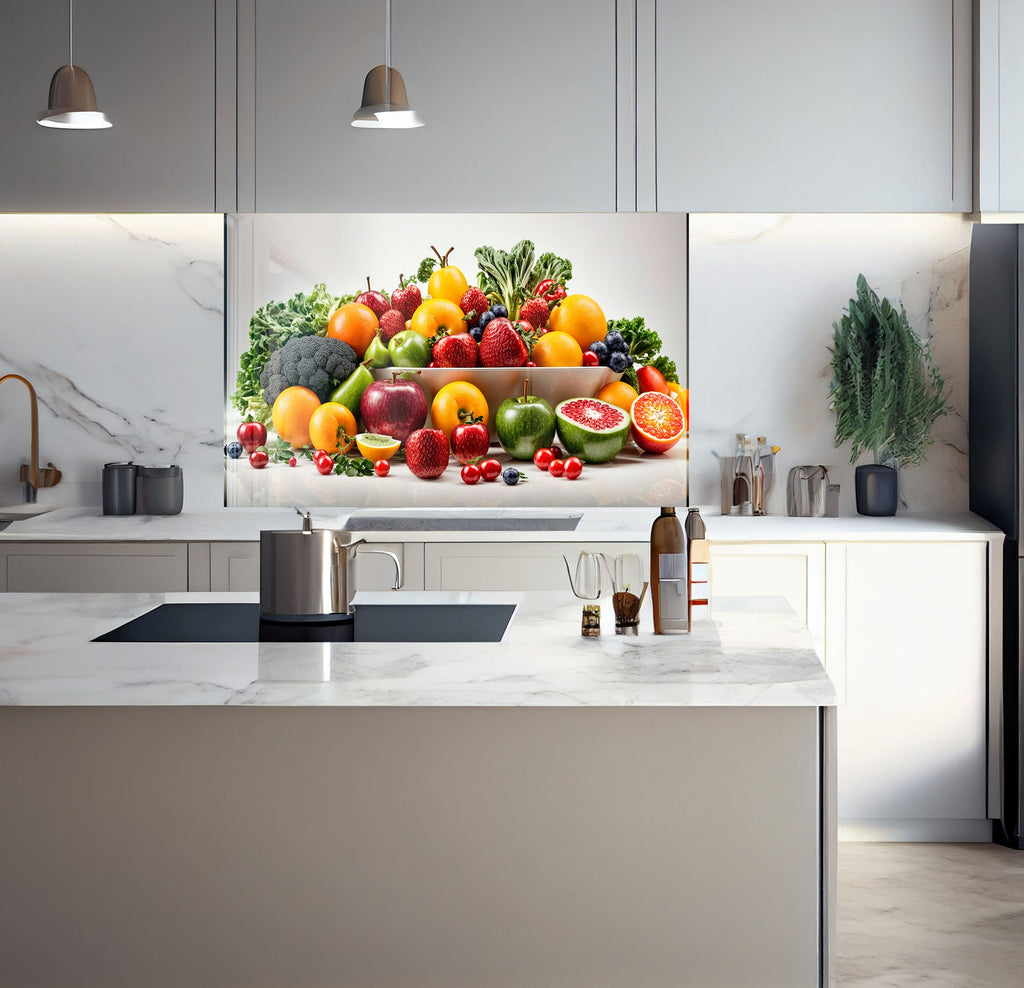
(668, 574)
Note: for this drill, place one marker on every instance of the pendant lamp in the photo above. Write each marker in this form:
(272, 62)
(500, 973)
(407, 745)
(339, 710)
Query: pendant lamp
(385, 102)
(72, 104)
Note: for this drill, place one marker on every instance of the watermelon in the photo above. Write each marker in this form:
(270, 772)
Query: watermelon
(590, 429)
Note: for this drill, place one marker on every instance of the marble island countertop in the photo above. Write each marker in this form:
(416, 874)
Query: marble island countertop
(751, 653)
(509, 525)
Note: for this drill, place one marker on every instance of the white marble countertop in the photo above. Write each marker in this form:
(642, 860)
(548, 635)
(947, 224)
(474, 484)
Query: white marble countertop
(747, 654)
(596, 524)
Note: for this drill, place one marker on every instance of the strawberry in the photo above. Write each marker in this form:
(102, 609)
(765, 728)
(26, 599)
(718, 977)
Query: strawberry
(391, 322)
(457, 350)
(470, 438)
(406, 298)
(474, 304)
(535, 311)
(426, 453)
(503, 344)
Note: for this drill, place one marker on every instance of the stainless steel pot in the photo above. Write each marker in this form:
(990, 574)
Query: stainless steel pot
(309, 573)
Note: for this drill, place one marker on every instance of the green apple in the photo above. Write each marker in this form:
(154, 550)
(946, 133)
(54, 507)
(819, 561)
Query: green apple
(524, 425)
(409, 349)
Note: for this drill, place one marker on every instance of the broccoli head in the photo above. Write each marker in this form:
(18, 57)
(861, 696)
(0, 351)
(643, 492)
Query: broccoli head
(313, 362)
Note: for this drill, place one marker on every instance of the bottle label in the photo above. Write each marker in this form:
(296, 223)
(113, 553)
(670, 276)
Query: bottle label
(672, 566)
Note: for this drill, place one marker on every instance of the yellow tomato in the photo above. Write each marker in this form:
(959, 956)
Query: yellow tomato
(447, 283)
(435, 314)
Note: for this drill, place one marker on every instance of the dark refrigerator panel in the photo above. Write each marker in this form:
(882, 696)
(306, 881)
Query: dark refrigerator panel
(994, 422)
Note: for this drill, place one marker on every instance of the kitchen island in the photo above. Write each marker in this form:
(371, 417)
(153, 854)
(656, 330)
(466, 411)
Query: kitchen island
(544, 810)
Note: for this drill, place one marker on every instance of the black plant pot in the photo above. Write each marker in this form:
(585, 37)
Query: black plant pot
(878, 489)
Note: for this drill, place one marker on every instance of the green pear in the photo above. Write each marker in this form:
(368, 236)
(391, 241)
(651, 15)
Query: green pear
(377, 354)
(350, 392)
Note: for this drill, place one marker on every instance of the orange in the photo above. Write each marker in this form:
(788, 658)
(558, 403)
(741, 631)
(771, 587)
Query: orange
(438, 313)
(619, 394)
(291, 414)
(454, 398)
(581, 317)
(354, 324)
(682, 395)
(557, 349)
(332, 428)
(447, 283)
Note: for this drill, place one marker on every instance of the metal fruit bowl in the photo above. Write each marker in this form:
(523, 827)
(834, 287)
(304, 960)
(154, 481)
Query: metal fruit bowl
(553, 384)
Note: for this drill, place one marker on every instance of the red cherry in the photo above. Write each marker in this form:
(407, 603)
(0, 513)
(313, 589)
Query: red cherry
(431, 365)
(470, 473)
(556, 451)
(381, 468)
(320, 454)
(542, 458)
(573, 467)
(258, 459)
(556, 468)
(325, 465)
(591, 359)
(293, 462)
(490, 469)
(530, 363)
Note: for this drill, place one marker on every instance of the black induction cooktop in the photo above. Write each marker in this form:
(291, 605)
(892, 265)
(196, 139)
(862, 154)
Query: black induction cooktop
(240, 622)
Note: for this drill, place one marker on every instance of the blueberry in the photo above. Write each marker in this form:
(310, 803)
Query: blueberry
(499, 311)
(616, 344)
(485, 318)
(510, 475)
(477, 333)
(601, 349)
(233, 449)
(629, 361)
(618, 362)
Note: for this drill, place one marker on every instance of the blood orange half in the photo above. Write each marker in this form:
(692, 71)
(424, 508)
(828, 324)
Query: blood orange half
(657, 422)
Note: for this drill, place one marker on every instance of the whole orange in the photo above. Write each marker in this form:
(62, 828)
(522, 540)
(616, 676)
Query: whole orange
(332, 427)
(291, 413)
(557, 349)
(619, 394)
(354, 324)
(438, 313)
(682, 395)
(459, 396)
(581, 317)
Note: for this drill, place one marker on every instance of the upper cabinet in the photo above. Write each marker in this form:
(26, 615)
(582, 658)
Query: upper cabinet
(153, 69)
(804, 106)
(519, 102)
(999, 53)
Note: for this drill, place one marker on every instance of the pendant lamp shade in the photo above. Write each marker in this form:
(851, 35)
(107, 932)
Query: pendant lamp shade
(72, 103)
(385, 102)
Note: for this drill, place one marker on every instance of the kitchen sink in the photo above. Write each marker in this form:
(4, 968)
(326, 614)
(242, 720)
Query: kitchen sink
(240, 622)
(445, 520)
(18, 512)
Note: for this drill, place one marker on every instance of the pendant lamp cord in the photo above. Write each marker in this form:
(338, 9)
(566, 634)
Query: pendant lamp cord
(387, 53)
(71, 32)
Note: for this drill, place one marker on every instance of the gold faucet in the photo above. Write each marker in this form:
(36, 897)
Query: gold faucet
(30, 477)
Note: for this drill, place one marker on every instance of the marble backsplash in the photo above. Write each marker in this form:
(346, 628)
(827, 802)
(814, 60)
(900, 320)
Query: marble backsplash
(764, 292)
(118, 322)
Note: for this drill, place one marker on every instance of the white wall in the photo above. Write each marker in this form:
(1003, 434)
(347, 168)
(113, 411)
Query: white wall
(764, 292)
(118, 322)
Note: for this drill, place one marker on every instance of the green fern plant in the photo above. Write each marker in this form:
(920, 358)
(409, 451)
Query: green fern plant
(886, 391)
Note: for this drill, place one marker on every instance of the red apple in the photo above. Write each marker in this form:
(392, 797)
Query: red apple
(395, 408)
(374, 300)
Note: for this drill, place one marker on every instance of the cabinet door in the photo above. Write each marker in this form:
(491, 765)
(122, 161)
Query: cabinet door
(100, 567)
(518, 102)
(806, 106)
(795, 572)
(153, 69)
(235, 566)
(513, 565)
(1001, 105)
(911, 736)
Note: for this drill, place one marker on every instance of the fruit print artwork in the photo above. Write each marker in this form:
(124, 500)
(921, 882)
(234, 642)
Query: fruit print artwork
(510, 366)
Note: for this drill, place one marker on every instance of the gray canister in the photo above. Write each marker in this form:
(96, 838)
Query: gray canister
(119, 488)
(161, 490)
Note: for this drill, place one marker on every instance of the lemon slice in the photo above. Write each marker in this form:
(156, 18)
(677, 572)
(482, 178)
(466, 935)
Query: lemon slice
(375, 447)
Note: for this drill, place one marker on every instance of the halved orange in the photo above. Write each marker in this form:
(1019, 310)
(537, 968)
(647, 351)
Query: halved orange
(376, 447)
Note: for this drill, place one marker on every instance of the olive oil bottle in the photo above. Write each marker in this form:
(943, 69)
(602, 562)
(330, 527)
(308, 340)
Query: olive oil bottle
(668, 574)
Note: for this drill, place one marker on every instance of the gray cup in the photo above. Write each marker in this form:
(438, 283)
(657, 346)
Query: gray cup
(160, 490)
(119, 481)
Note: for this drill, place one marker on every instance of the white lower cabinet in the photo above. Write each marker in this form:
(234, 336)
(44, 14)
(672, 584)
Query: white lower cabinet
(94, 567)
(912, 747)
(513, 565)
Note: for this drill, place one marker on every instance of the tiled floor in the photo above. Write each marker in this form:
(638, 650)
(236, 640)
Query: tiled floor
(941, 915)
